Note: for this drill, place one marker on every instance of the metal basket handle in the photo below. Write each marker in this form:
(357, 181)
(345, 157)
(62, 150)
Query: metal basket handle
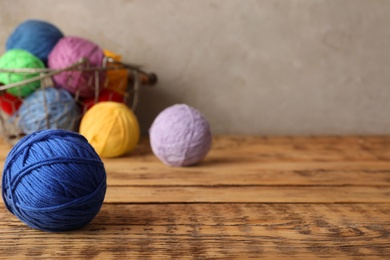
(48, 73)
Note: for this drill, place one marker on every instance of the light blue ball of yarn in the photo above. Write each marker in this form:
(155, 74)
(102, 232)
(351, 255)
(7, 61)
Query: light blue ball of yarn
(37, 37)
(49, 108)
(53, 180)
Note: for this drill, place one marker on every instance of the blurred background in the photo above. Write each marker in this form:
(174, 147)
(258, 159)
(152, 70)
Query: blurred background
(260, 67)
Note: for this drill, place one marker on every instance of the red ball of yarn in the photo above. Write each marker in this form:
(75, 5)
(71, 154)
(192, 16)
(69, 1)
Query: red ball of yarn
(9, 103)
(105, 95)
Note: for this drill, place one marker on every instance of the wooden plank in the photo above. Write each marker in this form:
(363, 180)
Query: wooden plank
(258, 148)
(250, 173)
(217, 231)
(228, 150)
(242, 149)
(250, 160)
(305, 148)
(236, 160)
(247, 194)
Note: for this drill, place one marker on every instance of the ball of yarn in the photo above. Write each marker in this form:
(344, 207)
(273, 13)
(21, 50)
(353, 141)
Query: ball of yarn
(9, 103)
(180, 136)
(37, 37)
(116, 78)
(53, 180)
(70, 50)
(17, 59)
(48, 108)
(105, 95)
(111, 128)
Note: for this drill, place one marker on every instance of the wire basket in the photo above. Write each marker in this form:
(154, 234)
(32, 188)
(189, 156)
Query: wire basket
(129, 89)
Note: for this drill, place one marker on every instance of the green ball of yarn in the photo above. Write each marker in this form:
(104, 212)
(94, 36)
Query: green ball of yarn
(17, 59)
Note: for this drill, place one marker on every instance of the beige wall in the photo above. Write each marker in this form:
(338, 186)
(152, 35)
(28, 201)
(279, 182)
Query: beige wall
(266, 67)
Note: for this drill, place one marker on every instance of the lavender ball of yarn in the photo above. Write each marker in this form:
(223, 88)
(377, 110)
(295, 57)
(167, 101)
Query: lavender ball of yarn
(180, 136)
(48, 108)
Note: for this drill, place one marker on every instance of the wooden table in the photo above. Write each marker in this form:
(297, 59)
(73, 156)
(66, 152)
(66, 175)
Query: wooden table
(252, 197)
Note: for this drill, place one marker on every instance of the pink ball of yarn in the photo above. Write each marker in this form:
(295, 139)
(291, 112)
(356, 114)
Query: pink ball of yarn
(70, 50)
(180, 136)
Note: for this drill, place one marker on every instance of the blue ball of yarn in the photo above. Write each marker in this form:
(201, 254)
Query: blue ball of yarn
(53, 180)
(37, 37)
(49, 108)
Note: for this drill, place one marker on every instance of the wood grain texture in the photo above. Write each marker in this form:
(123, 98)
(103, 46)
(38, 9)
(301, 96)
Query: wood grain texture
(248, 194)
(222, 231)
(246, 160)
(251, 198)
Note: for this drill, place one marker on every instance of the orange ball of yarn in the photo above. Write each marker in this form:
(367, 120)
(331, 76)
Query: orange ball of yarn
(116, 79)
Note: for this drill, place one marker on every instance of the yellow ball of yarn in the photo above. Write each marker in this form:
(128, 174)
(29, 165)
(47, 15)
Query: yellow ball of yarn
(111, 128)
